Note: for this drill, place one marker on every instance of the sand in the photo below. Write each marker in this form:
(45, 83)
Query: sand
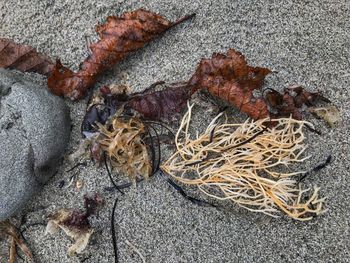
(306, 42)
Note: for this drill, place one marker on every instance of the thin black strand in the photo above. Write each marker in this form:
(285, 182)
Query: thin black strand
(109, 174)
(114, 236)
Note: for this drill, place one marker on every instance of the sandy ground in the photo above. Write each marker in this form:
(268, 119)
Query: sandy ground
(307, 42)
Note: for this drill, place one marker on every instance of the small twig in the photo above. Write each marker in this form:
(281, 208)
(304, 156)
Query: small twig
(313, 130)
(183, 193)
(247, 141)
(158, 148)
(161, 124)
(13, 250)
(183, 19)
(135, 250)
(77, 165)
(212, 132)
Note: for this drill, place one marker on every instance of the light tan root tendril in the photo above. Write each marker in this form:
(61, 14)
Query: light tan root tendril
(237, 162)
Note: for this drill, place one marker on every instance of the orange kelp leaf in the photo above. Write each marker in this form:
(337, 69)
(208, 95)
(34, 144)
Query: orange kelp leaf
(23, 58)
(228, 77)
(118, 37)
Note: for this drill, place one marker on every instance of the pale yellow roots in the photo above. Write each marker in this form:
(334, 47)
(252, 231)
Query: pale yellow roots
(223, 166)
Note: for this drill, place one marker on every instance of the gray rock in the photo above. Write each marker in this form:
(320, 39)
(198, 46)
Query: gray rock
(34, 132)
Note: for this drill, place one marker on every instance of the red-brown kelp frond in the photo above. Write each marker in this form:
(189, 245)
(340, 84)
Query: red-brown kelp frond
(23, 58)
(163, 104)
(229, 77)
(118, 37)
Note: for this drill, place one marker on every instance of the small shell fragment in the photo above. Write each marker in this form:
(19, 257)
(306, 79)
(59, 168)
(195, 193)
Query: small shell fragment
(330, 114)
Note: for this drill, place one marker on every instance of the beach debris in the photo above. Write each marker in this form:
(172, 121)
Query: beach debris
(291, 102)
(119, 36)
(330, 114)
(163, 104)
(23, 58)
(122, 139)
(104, 103)
(238, 162)
(75, 223)
(79, 184)
(6, 228)
(229, 77)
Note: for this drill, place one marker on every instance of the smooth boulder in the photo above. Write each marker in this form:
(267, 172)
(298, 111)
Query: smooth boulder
(34, 133)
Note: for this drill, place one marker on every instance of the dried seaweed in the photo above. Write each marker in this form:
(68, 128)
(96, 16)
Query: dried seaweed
(292, 100)
(158, 105)
(229, 77)
(75, 223)
(244, 173)
(122, 140)
(23, 58)
(330, 114)
(119, 36)
(6, 228)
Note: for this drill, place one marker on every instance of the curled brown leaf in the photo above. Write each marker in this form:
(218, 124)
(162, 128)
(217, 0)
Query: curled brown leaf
(229, 77)
(23, 58)
(118, 37)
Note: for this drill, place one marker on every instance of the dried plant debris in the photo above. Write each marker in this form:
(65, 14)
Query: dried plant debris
(119, 36)
(122, 141)
(102, 105)
(229, 77)
(291, 102)
(6, 228)
(163, 104)
(330, 114)
(75, 223)
(126, 137)
(23, 58)
(238, 162)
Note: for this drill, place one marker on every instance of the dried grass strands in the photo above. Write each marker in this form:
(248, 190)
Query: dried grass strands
(7, 228)
(122, 140)
(237, 162)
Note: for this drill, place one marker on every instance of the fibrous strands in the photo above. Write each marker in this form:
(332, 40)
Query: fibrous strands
(230, 166)
(122, 141)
